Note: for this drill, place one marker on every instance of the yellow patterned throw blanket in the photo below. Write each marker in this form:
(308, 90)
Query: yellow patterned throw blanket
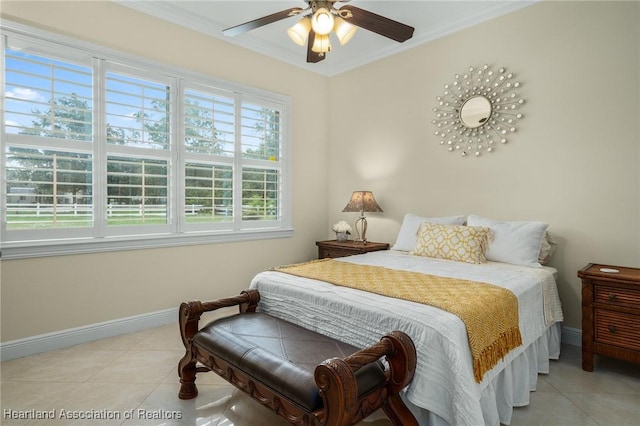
(489, 312)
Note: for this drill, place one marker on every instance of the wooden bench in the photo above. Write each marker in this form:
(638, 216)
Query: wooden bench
(305, 377)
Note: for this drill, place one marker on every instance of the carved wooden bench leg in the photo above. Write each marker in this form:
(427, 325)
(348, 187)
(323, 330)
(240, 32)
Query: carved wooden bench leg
(398, 412)
(187, 373)
(188, 317)
(401, 356)
(402, 364)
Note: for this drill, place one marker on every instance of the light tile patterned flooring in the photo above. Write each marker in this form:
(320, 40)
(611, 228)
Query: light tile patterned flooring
(134, 377)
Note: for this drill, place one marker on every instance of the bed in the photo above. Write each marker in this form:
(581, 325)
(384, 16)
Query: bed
(444, 389)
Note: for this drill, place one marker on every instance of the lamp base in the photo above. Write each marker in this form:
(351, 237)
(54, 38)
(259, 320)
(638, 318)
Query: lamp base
(361, 230)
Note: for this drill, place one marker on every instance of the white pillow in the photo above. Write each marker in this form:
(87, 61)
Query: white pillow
(408, 235)
(547, 249)
(513, 242)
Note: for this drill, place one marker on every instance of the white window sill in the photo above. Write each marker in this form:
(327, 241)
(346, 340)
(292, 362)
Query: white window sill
(21, 250)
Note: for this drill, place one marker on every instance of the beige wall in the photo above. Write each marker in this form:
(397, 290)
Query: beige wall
(574, 163)
(56, 293)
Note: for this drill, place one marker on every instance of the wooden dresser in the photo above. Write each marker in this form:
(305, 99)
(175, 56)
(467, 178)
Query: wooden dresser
(333, 248)
(610, 313)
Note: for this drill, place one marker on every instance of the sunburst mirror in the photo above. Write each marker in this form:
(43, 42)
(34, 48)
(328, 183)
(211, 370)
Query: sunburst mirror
(478, 110)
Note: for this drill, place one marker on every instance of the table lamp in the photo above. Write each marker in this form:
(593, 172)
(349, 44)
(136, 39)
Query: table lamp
(362, 201)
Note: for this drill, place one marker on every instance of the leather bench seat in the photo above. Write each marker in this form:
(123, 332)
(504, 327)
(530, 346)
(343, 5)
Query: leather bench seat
(281, 355)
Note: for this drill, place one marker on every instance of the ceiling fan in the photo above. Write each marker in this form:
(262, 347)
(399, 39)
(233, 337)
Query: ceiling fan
(321, 19)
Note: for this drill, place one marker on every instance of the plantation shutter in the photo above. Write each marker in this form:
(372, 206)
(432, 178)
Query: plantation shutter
(48, 135)
(139, 150)
(209, 148)
(260, 145)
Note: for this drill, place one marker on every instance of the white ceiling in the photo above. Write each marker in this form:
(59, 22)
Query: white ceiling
(431, 20)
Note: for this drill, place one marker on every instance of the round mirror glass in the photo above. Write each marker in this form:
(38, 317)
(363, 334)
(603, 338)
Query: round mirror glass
(475, 111)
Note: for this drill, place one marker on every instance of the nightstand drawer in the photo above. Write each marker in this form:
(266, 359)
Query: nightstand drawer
(617, 328)
(333, 248)
(617, 296)
(332, 253)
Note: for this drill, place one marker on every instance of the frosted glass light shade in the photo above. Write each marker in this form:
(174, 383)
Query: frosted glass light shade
(343, 30)
(322, 21)
(300, 31)
(321, 44)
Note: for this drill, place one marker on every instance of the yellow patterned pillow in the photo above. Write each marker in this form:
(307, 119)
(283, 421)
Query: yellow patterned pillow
(452, 242)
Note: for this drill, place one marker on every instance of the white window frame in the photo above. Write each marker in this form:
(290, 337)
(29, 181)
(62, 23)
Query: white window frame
(22, 244)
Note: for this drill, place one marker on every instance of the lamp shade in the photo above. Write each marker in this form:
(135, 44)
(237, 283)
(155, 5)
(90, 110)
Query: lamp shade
(362, 201)
(321, 44)
(343, 30)
(299, 32)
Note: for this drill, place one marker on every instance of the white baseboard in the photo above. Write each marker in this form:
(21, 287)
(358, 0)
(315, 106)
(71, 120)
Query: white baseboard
(74, 336)
(572, 336)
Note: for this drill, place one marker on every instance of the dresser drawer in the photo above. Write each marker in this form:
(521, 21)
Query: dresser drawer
(617, 296)
(617, 328)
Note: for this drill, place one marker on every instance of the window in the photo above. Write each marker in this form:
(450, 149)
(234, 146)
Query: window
(138, 149)
(210, 152)
(105, 152)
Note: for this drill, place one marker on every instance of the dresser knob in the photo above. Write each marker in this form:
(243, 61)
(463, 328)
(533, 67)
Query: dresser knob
(612, 328)
(612, 297)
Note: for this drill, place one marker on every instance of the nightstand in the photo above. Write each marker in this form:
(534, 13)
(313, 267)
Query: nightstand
(333, 248)
(610, 313)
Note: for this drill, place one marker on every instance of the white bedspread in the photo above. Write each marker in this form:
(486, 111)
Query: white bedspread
(444, 383)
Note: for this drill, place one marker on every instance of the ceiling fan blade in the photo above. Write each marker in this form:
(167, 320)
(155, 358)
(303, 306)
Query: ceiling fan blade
(313, 57)
(257, 23)
(379, 24)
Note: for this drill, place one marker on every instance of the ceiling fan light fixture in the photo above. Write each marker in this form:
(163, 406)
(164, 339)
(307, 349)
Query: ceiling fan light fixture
(323, 17)
(321, 44)
(322, 21)
(300, 31)
(343, 30)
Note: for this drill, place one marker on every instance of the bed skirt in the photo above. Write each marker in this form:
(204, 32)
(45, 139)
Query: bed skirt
(511, 387)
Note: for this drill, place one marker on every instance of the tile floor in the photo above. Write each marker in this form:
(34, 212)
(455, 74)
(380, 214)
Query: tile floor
(134, 378)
